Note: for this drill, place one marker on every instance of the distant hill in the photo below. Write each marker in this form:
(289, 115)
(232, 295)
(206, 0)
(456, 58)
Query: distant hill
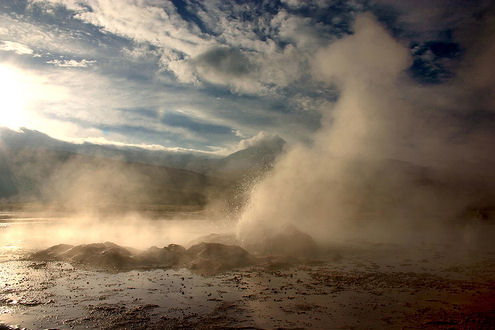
(80, 180)
(26, 138)
(36, 167)
(252, 159)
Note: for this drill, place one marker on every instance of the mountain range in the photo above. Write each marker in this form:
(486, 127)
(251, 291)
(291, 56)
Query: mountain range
(36, 167)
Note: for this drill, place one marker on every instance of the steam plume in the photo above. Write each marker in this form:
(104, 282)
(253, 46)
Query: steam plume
(387, 156)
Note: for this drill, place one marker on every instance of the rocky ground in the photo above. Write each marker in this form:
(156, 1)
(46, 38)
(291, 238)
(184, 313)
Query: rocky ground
(361, 286)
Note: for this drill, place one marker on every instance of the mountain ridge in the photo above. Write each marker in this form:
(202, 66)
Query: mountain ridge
(34, 166)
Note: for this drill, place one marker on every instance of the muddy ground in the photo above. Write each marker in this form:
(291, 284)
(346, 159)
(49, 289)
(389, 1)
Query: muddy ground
(358, 286)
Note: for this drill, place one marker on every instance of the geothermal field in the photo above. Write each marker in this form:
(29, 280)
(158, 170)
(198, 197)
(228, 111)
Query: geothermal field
(247, 164)
(211, 282)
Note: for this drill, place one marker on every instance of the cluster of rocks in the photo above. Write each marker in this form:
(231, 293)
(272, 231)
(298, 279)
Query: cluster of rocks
(208, 255)
(203, 258)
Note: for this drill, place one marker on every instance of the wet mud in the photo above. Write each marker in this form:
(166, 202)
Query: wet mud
(368, 287)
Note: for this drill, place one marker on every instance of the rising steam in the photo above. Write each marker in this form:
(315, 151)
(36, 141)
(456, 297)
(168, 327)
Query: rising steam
(390, 154)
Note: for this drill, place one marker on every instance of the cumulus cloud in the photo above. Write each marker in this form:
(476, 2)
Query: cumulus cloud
(226, 61)
(227, 66)
(228, 53)
(218, 65)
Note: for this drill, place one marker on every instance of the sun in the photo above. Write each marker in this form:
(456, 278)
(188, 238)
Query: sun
(14, 96)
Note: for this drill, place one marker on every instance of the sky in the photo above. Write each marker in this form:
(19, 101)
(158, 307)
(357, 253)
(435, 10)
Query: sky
(211, 76)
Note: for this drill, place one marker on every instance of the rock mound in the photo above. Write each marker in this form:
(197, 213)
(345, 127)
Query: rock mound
(203, 258)
(98, 255)
(211, 258)
(290, 241)
(226, 239)
(52, 253)
(285, 241)
(166, 257)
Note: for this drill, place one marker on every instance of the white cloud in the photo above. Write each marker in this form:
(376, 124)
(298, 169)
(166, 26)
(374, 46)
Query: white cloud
(145, 21)
(183, 71)
(182, 44)
(53, 40)
(260, 56)
(16, 47)
(258, 139)
(303, 32)
(309, 103)
(104, 141)
(75, 5)
(141, 52)
(72, 63)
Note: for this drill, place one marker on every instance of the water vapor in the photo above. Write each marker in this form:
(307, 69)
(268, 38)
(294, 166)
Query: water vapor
(391, 155)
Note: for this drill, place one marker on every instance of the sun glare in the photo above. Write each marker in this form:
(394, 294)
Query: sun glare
(14, 95)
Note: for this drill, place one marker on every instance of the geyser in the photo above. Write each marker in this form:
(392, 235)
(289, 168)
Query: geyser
(384, 161)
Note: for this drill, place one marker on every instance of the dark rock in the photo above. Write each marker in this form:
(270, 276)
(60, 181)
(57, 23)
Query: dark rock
(166, 257)
(286, 241)
(203, 258)
(226, 239)
(99, 255)
(212, 258)
(52, 253)
(292, 242)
